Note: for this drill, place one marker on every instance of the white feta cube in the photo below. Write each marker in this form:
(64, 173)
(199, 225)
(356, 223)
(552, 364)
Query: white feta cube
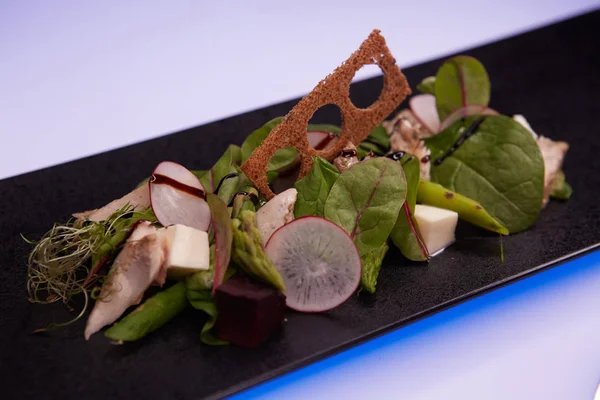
(187, 251)
(437, 227)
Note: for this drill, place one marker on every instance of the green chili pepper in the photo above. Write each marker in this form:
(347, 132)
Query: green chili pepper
(151, 315)
(436, 195)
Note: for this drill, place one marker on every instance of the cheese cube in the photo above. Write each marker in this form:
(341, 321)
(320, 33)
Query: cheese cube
(436, 226)
(187, 251)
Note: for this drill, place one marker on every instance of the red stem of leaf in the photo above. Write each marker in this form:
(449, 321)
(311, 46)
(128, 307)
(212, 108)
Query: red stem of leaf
(368, 203)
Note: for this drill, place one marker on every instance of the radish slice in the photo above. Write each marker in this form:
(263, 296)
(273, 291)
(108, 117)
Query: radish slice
(424, 108)
(321, 140)
(318, 261)
(464, 112)
(177, 197)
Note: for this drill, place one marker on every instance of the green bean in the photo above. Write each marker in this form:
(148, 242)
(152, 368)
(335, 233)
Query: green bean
(436, 195)
(151, 315)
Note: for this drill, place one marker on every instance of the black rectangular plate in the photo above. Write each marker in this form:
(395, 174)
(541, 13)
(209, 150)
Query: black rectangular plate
(551, 75)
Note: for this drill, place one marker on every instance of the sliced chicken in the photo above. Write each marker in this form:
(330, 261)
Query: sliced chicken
(138, 265)
(406, 137)
(553, 153)
(139, 199)
(277, 212)
(347, 158)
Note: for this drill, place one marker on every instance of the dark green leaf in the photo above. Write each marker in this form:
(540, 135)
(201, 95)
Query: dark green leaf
(222, 167)
(500, 166)
(314, 188)
(461, 81)
(377, 142)
(282, 159)
(365, 201)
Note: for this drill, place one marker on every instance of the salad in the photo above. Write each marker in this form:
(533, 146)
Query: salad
(244, 255)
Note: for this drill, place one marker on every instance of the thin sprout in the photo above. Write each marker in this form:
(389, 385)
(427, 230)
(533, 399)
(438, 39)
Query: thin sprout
(58, 266)
(55, 325)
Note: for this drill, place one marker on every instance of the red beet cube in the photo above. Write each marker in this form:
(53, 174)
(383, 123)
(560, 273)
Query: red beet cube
(248, 311)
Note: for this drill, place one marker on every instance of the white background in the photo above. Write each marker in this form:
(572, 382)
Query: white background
(81, 77)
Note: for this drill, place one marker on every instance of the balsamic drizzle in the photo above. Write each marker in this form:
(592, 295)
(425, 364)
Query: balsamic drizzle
(159, 179)
(231, 175)
(396, 156)
(470, 131)
(348, 153)
(252, 197)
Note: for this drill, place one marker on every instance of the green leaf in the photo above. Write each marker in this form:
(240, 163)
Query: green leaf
(406, 235)
(222, 167)
(314, 188)
(500, 166)
(221, 224)
(461, 81)
(378, 142)
(371, 265)
(365, 201)
(256, 138)
(281, 160)
(561, 190)
(199, 295)
(427, 85)
(324, 128)
(202, 300)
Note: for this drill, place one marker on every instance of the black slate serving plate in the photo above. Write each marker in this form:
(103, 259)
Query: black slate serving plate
(550, 75)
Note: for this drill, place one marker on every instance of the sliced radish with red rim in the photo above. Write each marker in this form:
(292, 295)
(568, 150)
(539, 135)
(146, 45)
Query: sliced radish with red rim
(177, 197)
(318, 262)
(321, 140)
(425, 110)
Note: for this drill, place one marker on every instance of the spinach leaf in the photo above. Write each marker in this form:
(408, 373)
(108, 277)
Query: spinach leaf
(561, 190)
(461, 81)
(202, 300)
(406, 235)
(324, 128)
(371, 265)
(365, 201)
(378, 142)
(500, 166)
(199, 295)
(255, 138)
(314, 188)
(427, 85)
(282, 159)
(222, 167)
